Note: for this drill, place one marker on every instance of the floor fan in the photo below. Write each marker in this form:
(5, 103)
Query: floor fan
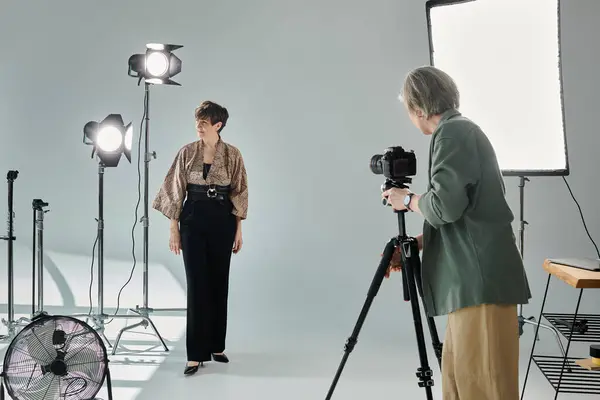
(55, 358)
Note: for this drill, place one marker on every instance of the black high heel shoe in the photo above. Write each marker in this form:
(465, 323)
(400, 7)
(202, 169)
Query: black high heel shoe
(192, 369)
(222, 358)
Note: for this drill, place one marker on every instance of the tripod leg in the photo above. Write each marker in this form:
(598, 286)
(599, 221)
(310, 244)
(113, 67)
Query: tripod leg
(435, 340)
(410, 265)
(388, 252)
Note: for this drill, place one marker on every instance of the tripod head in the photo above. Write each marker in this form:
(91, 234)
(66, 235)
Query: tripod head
(400, 184)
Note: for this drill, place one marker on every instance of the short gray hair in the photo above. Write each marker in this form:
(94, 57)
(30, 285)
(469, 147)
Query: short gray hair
(430, 89)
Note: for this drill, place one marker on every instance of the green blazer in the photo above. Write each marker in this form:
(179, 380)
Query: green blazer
(470, 256)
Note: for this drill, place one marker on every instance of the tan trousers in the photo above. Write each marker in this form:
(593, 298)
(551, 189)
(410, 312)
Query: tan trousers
(480, 359)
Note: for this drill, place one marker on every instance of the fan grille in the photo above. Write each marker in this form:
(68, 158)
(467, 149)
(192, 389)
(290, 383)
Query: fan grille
(54, 358)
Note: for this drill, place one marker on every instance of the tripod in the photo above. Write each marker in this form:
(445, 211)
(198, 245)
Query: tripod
(522, 223)
(99, 318)
(38, 254)
(145, 310)
(10, 322)
(411, 284)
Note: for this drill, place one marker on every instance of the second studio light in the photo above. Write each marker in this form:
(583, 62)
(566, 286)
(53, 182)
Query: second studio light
(157, 66)
(111, 138)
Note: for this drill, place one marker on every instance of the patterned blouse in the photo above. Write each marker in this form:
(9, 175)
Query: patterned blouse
(227, 169)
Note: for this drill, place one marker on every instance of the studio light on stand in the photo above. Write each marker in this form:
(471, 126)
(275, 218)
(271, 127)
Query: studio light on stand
(156, 67)
(110, 139)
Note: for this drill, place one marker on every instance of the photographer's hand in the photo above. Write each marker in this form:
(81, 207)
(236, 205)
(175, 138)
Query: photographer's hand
(395, 197)
(396, 261)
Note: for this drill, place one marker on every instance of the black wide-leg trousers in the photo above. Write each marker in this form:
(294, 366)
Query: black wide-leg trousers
(207, 230)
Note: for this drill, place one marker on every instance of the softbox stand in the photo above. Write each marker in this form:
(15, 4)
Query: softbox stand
(522, 223)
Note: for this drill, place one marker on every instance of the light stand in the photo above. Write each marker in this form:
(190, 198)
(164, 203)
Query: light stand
(99, 318)
(38, 254)
(157, 66)
(10, 322)
(522, 223)
(144, 311)
(111, 139)
(412, 287)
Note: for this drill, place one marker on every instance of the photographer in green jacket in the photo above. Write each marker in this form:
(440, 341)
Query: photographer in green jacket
(471, 267)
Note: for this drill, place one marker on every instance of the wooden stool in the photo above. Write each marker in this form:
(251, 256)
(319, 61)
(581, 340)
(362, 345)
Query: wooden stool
(576, 327)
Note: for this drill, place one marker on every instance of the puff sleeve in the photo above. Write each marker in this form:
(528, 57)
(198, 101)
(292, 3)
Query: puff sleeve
(170, 197)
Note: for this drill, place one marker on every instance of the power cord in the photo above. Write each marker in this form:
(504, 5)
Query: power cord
(582, 218)
(132, 229)
(137, 205)
(92, 274)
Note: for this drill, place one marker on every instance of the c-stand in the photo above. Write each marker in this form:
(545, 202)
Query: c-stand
(98, 319)
(10, 322)
(37, 247)
(411, 284)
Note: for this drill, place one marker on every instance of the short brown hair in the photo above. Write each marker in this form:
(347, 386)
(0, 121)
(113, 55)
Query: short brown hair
(212, 112)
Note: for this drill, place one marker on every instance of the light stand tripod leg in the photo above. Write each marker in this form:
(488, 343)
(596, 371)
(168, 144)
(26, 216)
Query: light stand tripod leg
(143, 323)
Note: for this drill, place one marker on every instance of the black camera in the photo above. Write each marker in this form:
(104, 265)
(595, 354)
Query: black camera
(395, 164)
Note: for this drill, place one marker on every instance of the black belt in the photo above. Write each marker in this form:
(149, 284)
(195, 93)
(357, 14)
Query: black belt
(208, 192)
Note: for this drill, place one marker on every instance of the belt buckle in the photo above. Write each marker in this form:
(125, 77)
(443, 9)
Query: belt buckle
(211, 193)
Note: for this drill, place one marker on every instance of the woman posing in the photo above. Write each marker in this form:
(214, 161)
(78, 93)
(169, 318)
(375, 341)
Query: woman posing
(210, 176)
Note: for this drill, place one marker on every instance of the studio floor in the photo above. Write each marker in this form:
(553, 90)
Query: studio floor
(278, 367)
(266, 362)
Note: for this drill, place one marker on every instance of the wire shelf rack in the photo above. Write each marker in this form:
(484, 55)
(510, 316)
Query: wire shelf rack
(578, 380)
(587, 326)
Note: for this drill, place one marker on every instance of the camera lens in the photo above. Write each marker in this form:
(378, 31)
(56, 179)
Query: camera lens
(376, 164)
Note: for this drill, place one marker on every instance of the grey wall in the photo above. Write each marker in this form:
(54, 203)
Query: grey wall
(312, 91)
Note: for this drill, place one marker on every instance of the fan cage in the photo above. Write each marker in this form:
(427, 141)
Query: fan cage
(55, 357)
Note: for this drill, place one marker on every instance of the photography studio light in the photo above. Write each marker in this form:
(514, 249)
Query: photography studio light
(110, 138)
(505, 57)
(157, 66)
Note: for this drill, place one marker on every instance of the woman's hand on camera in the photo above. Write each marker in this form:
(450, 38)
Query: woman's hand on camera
(395, 196)
(175, 240)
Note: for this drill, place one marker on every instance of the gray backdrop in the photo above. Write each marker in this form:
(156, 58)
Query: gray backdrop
(312, 89)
